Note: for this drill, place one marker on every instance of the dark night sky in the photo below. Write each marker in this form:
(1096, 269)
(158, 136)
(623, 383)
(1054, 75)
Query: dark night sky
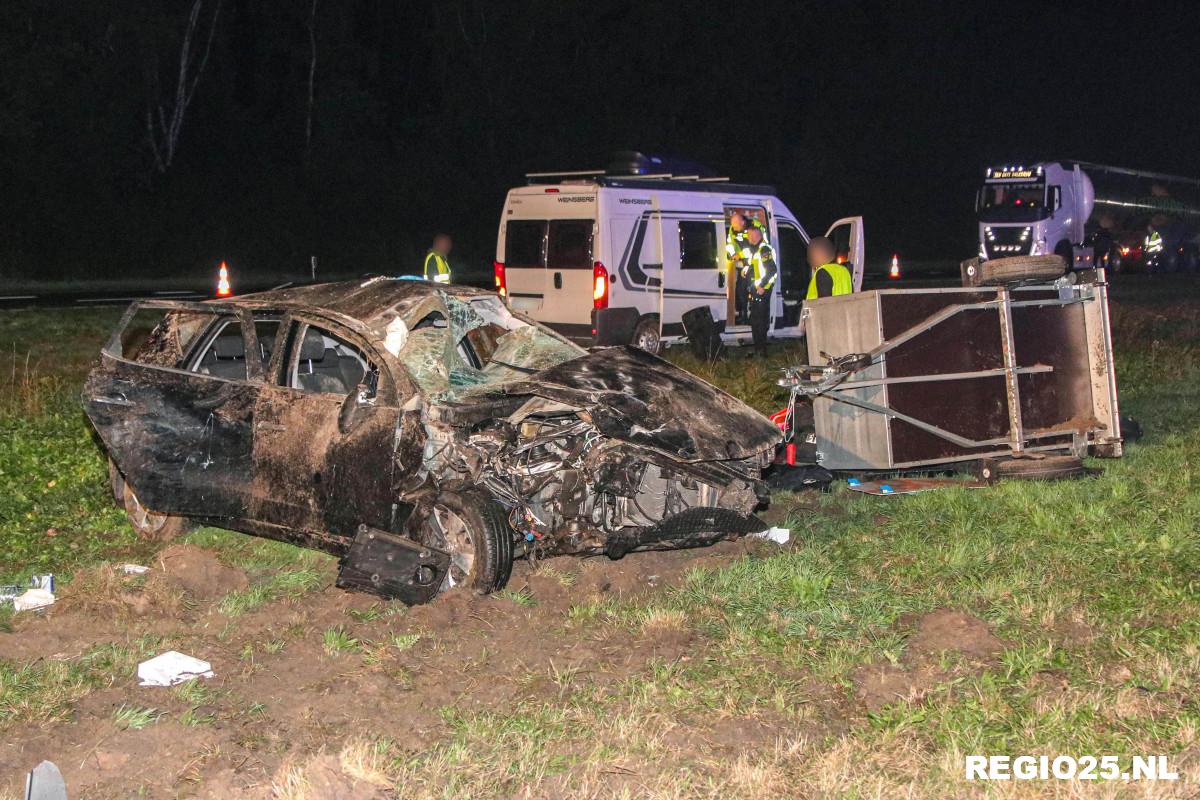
(425, 112)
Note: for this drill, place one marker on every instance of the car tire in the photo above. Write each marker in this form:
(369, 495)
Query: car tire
(152, 525)
(647, 337)
(1047, 468)
(474, 529)
(1021, 269)
(116, 484)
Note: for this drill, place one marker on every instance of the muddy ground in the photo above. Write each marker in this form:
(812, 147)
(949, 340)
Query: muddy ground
(281, 693)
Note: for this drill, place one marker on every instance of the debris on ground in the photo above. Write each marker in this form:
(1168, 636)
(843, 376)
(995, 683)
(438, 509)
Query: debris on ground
(907, 485)
(776, 535)
(33, 599)
(45, 782)
(171, 668)
(134, 569)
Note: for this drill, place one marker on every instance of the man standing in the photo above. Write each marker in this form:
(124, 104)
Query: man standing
(437, 267)
(829, 278)
(761, 274)
(737, 251)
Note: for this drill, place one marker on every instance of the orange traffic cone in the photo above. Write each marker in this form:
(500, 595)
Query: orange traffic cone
(223, 288)
(894, 272)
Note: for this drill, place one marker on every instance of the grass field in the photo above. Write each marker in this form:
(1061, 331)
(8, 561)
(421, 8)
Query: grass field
(892, 637)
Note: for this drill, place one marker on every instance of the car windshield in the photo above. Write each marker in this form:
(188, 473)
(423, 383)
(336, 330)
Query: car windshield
(456, 346)
(1012, 202)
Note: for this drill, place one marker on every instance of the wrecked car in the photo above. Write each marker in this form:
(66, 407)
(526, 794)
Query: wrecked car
(425, 434)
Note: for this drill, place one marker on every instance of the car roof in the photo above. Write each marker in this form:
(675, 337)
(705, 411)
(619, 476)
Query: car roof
(363, 300)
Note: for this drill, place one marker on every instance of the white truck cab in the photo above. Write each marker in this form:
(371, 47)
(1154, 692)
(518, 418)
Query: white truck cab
(1035, 210)
(614, 259)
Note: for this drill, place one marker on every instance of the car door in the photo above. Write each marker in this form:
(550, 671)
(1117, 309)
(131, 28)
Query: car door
(847, 237)
(174, 399)
(326, 434)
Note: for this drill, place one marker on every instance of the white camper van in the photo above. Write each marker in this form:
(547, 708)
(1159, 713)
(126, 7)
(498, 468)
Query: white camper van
(615, 259)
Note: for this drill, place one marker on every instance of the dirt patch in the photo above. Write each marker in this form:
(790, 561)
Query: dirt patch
(199, 572)
(108, 591)
(939, 633)
(284, 701)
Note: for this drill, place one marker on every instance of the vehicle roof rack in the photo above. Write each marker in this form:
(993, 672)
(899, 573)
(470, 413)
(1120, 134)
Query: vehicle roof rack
(597, 174)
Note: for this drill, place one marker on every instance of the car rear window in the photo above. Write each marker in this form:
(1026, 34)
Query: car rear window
(569, 245)
(523, 243)
(160, 337)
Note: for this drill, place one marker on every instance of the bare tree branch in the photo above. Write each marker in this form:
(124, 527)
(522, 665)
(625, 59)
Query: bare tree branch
(312, 71)
(164, 137)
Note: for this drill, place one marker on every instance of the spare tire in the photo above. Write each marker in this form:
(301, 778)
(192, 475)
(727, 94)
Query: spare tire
(1021, 269)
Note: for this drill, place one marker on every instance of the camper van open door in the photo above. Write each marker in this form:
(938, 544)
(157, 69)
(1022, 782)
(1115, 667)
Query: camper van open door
(847, 237)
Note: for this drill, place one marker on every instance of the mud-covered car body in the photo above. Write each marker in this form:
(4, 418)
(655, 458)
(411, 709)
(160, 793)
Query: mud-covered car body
(336, 416)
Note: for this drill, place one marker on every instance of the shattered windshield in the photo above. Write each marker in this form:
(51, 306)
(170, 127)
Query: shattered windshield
(458, 345)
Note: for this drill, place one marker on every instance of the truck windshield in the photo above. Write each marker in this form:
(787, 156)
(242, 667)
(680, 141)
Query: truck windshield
(1012, 202)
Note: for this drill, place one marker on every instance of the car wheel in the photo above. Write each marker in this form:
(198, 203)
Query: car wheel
(151, 524)
(474, 529)
(1020, 269)
(646, 336)
(116, 484)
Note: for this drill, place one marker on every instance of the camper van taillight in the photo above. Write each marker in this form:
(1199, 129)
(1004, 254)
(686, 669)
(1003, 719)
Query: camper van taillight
(501, 283)
(599, 286)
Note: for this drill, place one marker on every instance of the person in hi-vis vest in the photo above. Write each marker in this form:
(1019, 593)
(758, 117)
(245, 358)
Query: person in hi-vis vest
(829, 278)
(437, 267)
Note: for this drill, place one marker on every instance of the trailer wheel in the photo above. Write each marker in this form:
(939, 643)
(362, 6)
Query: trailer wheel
(647, 337)
(1046, 468)
(1021, 269)
(474, 529)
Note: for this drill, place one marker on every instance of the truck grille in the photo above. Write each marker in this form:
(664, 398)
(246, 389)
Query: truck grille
(1007, 241)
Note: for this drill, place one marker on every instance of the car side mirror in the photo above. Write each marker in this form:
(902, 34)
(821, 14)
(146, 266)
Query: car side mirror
(363, 396)
(368, 389)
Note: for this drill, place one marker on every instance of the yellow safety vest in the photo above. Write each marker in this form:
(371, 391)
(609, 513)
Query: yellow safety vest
(843, 283)
(758, 272)
(441, 272)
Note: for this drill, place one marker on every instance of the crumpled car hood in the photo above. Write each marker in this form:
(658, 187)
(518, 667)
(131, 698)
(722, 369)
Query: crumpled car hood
(641, 399)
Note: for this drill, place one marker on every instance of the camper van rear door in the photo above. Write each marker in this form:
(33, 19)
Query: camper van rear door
(525, 263)
(569, 271)
(847, 236)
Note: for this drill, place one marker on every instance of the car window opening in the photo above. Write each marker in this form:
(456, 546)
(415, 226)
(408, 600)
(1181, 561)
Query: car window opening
(225, 354)
(327, 364)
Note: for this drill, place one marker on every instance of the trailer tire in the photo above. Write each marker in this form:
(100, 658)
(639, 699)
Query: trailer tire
(647, 337)
(1047, 468)
(1021, 269)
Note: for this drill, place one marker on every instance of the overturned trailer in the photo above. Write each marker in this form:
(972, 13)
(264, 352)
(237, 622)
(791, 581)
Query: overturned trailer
(425, 434)
(1003, 377)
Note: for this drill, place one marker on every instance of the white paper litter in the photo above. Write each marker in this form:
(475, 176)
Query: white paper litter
(776, 535)
(171, 668)
(33, 598)
(134, 569)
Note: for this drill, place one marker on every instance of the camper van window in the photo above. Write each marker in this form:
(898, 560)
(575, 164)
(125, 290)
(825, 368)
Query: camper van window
(570, 244)
(523, 241)
(697, 245)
